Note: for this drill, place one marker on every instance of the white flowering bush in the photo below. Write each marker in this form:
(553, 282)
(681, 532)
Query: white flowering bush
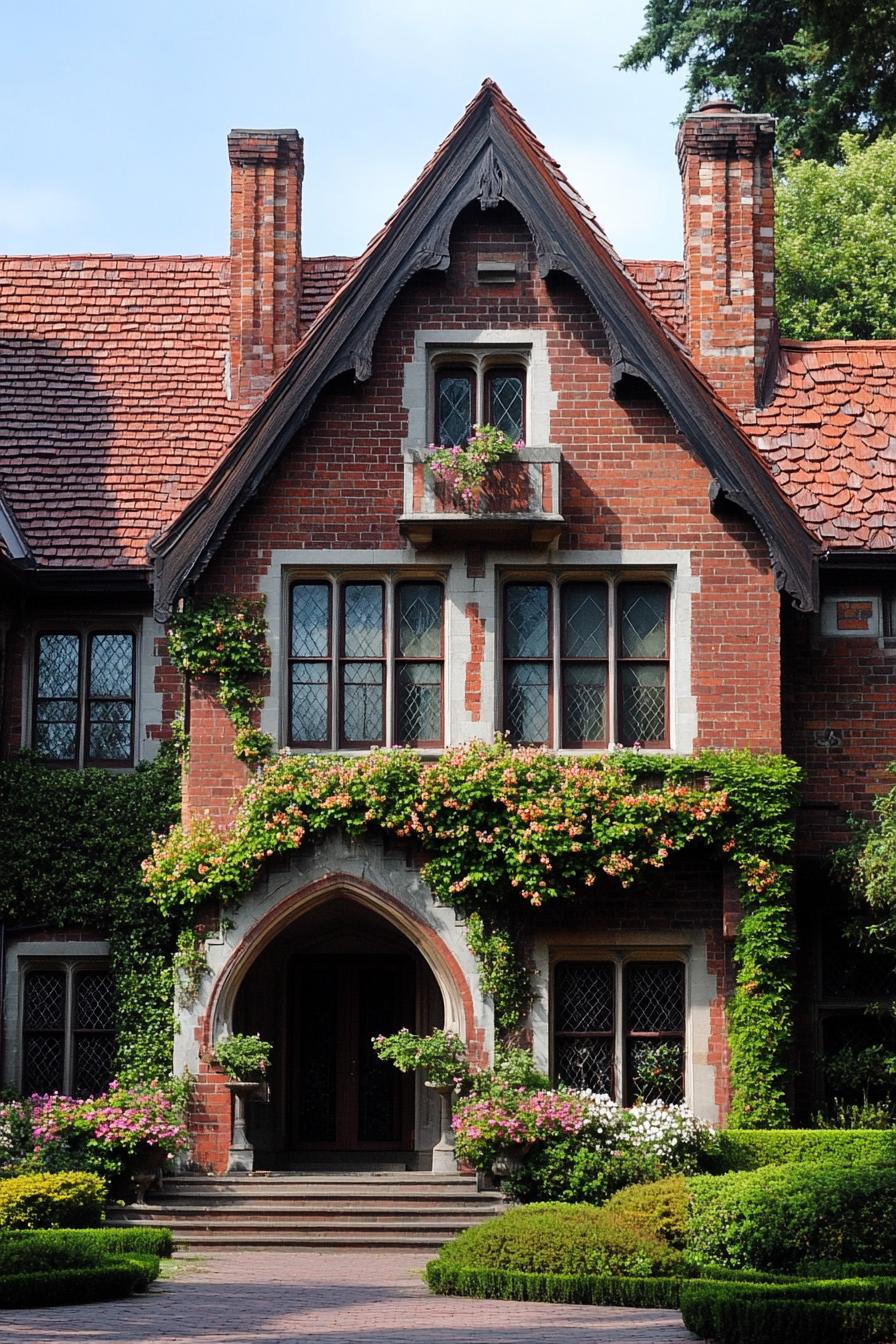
(615, 1146)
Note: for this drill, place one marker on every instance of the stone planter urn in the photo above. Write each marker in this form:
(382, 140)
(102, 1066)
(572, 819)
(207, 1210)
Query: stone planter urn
(443, 1159)
(141, 1169)
(242, 1154)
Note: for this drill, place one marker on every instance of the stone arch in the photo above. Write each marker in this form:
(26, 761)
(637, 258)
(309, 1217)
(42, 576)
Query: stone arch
(457, 1000)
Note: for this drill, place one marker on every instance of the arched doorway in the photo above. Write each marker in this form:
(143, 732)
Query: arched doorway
(332, 978)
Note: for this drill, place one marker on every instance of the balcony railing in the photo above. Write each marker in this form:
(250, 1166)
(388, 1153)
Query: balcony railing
(519, 503)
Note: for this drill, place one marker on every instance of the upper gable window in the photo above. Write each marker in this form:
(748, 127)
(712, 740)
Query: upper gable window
(476, 389)
(84, 697)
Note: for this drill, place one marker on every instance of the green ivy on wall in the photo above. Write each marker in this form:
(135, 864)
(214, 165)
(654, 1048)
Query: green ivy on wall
(71, 846)
(505, 831)
(227, 641)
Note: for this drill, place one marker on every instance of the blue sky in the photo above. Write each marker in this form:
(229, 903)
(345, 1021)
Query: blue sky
(113, 117)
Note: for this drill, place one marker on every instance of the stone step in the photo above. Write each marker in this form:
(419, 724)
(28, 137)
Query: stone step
(399, 1179)
(296, 1241)
(164, 1209)
(444, 1227)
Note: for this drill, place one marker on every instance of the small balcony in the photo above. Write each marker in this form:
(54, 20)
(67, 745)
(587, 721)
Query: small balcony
(519, 504)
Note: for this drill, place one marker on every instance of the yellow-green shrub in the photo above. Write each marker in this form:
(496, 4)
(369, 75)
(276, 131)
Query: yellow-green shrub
(52, 1199)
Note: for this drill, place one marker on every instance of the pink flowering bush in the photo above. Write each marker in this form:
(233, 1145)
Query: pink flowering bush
(58, 1133)
(578, 1146)
(463, 467)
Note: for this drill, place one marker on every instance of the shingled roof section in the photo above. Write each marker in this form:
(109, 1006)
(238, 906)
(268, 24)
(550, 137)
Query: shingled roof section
(321, 277)
(829, 436)
(662, 284)
(113, 389)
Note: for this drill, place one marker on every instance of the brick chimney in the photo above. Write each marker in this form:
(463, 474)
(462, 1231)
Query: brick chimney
(725, 158)
(266, 169)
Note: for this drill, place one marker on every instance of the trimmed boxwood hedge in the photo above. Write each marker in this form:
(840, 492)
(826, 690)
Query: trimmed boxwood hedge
(111, 1276)
(851, 1311)
(776, 1218)
(64, 1248)
(609, 1290)
(748, 1149)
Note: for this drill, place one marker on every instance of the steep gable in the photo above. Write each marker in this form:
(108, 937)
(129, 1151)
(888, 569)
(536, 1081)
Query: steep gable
(490, 157)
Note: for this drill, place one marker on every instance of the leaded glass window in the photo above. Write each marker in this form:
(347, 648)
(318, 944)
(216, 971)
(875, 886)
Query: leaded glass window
(604, 644)
(84, 697)
(619, 1027)
(455, 405)
(505, 407)
(68, 1022)
(642, 620)
(527, 662)
(418, 634)
(344, 673)
(583, 652)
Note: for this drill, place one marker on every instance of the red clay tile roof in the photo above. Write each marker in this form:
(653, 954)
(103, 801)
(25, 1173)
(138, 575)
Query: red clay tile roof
(829, 436)
(112, 384)
(662, 284)
(321, 277)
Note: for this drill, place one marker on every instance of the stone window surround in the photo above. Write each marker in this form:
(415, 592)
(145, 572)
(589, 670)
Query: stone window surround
(483, 592)
(528, 345)
(72, 955)
(622, 947)
(147, 700)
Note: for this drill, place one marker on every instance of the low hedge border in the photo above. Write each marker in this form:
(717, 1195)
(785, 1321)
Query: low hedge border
(827, 1312)
(65, 1248)
(749, 1149)
(114, 1276)
(579, 1289)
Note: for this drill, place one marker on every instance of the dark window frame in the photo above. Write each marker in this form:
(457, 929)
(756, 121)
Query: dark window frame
(85, 635)
(505, 371)
(400, 660)
(445, 371)
(567, 660)
(622, 1036)
(548, 661)
(382, 661)
(336, 659)
(71, 968)
(622, 661)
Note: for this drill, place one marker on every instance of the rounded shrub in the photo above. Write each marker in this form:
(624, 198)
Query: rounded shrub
(561, 1239)
(779, 1217)
(657, 1209)
(52, 1199)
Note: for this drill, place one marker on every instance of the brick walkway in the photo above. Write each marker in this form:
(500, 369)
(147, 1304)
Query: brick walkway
(276, 1298)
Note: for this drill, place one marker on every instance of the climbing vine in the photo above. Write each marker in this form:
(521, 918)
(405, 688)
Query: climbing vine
(227, 641)
(71, 846)
(503, 831)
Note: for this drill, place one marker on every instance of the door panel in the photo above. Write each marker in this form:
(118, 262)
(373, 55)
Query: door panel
(343, 1096)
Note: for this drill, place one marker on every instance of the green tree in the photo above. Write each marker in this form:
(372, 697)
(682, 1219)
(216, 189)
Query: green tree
(822, 67)
(836, 244)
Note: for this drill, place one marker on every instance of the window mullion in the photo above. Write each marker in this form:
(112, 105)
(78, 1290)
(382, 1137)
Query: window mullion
(389, 649)
(555, 689)
(68, 1048)
(612, 716)
(620, 1068)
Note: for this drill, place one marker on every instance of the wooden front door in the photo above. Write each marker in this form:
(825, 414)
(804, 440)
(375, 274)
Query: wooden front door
(342, 1096)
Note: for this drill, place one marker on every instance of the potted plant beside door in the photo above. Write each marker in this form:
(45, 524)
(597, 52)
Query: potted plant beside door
(245, 1060)
(443, 1057)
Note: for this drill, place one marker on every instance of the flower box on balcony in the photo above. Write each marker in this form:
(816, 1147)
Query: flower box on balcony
(519, 503)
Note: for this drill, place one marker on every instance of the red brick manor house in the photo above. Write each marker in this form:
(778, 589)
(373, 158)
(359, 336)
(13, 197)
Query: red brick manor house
(694, 548)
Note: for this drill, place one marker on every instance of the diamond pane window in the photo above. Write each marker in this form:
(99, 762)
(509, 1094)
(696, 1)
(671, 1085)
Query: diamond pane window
(584, 704)
(584, 609)
(68, 1039)
(527, 702)
(643, 663)
(526, 620)
(584, 636)
(506, 402)
(310, 628)
(619, 1027)
(655, 1026)
(585, 1024)
(57, 696)
(418, 668)
(362, 620)
(84, 705)
(309, 690)
(420, 620)
(455, 406)
(362, 703)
